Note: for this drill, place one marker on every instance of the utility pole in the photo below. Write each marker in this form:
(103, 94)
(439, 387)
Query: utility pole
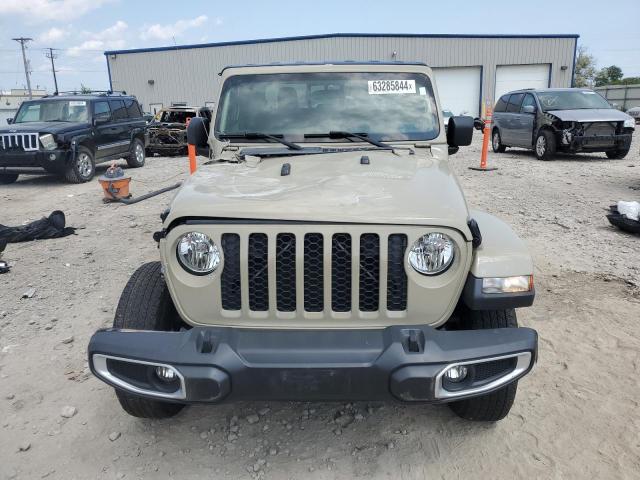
(51, 56)
(22, 41)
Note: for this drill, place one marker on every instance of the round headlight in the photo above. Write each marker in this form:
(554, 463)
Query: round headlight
(197, 253)
(432, 253)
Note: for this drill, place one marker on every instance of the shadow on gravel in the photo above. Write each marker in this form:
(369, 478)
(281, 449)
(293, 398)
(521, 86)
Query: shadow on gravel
(559, 157)
(51, 180)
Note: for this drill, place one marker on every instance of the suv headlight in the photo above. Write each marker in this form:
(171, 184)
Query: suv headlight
(197, 253)
(432, 254)
(630, 123)
(48, 142)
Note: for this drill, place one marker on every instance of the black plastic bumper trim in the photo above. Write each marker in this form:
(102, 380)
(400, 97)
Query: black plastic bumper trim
(316, 365)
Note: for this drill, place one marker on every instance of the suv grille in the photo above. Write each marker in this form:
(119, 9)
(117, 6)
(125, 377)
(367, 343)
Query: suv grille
(19, 141)
(376, 272)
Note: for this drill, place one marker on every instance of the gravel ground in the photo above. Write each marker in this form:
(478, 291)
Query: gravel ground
(576, 415)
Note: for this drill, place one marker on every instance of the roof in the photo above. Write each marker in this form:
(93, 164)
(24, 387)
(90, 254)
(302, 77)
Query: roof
(337, 62)
(334, 35)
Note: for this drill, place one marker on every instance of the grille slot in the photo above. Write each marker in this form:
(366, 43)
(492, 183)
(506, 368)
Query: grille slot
(369, 272)
(286, 272)
(258, 272)
(396, 274)
(341, 272)
(313, 272)
(230, 278)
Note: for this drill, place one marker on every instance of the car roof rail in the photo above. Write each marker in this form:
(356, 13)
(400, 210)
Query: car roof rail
(100, 93)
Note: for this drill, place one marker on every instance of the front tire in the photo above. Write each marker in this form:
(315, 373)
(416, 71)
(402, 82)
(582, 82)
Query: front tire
(496, 405)
(545, 146)
(82, 168)
(7, 178)
(496, 142)
(145, 304)
(137, 156)
(618, 154)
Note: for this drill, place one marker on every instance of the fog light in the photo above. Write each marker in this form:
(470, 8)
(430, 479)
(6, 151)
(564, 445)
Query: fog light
(166, 374)
(52, 156)
(456, 374)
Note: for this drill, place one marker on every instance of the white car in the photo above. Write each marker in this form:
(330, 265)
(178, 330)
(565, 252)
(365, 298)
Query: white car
(635, 113)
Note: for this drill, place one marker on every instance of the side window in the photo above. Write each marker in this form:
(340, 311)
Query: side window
(118, 109)
(514, 102)
(133, 109)
(501, 106)
(101, 110)
(528, 100)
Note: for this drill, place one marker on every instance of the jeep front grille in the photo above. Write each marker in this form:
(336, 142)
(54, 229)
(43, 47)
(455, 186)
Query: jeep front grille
(322, 264)
(19, 141)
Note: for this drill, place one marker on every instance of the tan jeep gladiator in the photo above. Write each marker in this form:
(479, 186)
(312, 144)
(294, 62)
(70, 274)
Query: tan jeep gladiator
(325, 251)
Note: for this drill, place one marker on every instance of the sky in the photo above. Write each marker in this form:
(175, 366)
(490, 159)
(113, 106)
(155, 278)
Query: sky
(81, 30)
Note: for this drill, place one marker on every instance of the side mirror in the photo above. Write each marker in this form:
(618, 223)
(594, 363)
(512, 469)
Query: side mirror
(9, 121)
(198, 132)
(459, 132)
(100, 120)
(528, 109)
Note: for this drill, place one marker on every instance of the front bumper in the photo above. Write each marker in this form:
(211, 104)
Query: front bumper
(600, 143)
(34, 162)
(213, 364)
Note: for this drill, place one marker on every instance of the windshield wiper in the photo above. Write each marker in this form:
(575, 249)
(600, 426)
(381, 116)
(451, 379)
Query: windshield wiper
(261, 136)
(341, 134)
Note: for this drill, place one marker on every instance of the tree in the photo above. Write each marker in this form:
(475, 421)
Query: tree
(585, 68)
(630, 81)
(609, 76)
(84, 89)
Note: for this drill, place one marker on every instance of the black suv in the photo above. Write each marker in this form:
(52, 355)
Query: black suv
(67, 134)
(560, 120)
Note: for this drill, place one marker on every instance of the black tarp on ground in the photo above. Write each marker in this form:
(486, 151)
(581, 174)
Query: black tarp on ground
(52, 226)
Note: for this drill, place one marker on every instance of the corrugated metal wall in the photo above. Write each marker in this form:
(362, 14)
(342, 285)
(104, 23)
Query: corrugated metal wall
(191, 74)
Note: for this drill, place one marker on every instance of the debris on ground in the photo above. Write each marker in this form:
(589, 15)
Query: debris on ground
(52, 226)
(625, 216)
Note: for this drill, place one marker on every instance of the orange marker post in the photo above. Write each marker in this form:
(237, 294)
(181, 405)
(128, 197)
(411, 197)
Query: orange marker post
(191, 149)
(485, 141)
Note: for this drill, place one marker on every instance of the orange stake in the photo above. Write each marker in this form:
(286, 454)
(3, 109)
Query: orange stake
(485, 142)
(192, 158)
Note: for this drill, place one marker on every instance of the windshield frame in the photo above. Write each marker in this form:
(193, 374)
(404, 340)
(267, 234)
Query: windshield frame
(575, 91)
(26, 104)
(299, 137)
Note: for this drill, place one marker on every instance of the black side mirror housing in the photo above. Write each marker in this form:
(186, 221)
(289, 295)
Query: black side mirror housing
(198, 132)
(459, 132)
(100, 120)
(9, 121)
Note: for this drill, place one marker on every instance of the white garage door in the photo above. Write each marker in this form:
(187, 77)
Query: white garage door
(515, 77)
(459, 89)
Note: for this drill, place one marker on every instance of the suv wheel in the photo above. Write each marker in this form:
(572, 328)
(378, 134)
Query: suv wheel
(145, 304)
(618, 154)
(82, 168)
(496, 142)
(137, 156)
(7, 178)
(545, 146)
(493, 406)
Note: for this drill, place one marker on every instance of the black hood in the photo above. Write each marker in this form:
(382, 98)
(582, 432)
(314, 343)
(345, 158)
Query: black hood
(44, 127)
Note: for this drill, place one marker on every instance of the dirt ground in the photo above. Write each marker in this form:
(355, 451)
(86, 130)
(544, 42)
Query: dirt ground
(576, 416)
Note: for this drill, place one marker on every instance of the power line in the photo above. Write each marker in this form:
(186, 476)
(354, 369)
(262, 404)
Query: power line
(52, 56)
(22, 41)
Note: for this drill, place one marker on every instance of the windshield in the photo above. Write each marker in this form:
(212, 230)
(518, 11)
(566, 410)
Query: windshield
(385, 106)
(571, 100)
(53, 111)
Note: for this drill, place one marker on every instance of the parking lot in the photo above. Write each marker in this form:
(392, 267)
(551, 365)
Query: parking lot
(576, 416)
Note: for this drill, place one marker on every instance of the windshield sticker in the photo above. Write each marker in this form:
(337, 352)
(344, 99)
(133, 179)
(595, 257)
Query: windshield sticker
(77, 103)
(422, 91)
(382, 87)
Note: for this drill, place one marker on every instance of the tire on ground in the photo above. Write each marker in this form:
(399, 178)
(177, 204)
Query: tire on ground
(493, 406)
(7, 178)
(78, 170)
(549, 150)
(618, 154)
(145, 304)
(137, 147)
(496, 143)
